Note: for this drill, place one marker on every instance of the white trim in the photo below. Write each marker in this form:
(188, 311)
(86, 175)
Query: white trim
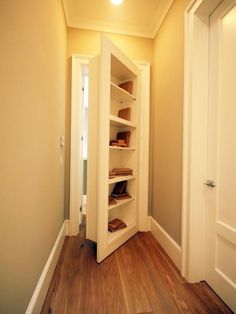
(76, 133)
(121, 28)
(167, 242)
(38, 297)
(94, 25)
(162, 17)
(144, 144)
(67, 227)
(196, 75)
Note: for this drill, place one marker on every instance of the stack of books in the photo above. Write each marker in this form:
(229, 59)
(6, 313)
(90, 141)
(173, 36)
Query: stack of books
(122, 139)
(122, 171)
(116, 224)
(119, 143)
(112, 174)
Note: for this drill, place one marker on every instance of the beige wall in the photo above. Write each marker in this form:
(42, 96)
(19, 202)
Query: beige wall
(87, 42)
(167, 121)
(32, 105)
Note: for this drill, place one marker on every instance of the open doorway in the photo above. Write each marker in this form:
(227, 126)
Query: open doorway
(79, 151)
(84, 144)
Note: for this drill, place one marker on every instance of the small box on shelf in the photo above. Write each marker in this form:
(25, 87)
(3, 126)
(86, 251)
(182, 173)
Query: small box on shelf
(127, 86)
(124, 114)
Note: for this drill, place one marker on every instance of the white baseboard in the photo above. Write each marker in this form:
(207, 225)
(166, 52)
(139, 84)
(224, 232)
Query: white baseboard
(41, 289)
(67, 227)
(169, 245)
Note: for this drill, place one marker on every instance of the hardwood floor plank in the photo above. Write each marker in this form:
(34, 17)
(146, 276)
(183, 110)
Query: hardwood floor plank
(70, 294)
(94, 296)
(140, 293)
(113, 296)
(157, 277)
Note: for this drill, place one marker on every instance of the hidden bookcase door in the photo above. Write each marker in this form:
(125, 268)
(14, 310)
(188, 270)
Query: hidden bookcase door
(113, 149)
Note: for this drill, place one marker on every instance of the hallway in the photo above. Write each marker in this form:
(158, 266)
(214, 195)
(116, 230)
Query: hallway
(137, 278)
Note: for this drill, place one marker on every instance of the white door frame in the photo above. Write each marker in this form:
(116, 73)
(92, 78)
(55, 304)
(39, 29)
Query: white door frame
(195, 137)
(77, 62)
(75, 142)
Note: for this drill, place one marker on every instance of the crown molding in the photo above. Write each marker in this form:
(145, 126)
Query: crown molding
(107, 27)
(118, 28)
(162, 17)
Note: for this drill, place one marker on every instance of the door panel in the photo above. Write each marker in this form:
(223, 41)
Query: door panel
(227, 117)
(221, 167)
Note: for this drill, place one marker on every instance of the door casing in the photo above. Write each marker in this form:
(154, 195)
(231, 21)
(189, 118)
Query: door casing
(196, 84)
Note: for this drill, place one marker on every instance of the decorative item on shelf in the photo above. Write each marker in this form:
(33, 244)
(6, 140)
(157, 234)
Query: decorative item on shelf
(120, 187)
(116, 224)
(112, 174)
(122, 171)
(111, 200)
(127, 86)
(119, 192)
(124, 114)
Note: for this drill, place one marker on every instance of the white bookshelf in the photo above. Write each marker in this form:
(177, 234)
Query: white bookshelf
(112, 68)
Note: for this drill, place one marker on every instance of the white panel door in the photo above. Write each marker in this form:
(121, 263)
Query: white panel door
(220, 187)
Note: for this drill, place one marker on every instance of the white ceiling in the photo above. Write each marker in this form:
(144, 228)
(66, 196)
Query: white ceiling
(133, 17)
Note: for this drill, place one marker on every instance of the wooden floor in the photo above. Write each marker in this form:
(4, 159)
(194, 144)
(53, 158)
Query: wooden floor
(138, 278)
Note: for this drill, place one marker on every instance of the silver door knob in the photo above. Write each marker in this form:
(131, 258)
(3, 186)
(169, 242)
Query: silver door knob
(210, 183)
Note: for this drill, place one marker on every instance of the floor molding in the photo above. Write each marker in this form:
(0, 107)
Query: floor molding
(67, 227)
(41, 289)
(169, 245)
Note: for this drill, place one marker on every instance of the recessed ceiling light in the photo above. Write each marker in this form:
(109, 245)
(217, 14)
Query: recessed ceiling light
(116, 2)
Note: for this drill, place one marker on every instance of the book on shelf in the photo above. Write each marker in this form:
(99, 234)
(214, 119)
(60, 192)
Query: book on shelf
(111, 200)
(116, 224)
(112, 174)
(120, 197)
(119, 143)
(122, 139)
